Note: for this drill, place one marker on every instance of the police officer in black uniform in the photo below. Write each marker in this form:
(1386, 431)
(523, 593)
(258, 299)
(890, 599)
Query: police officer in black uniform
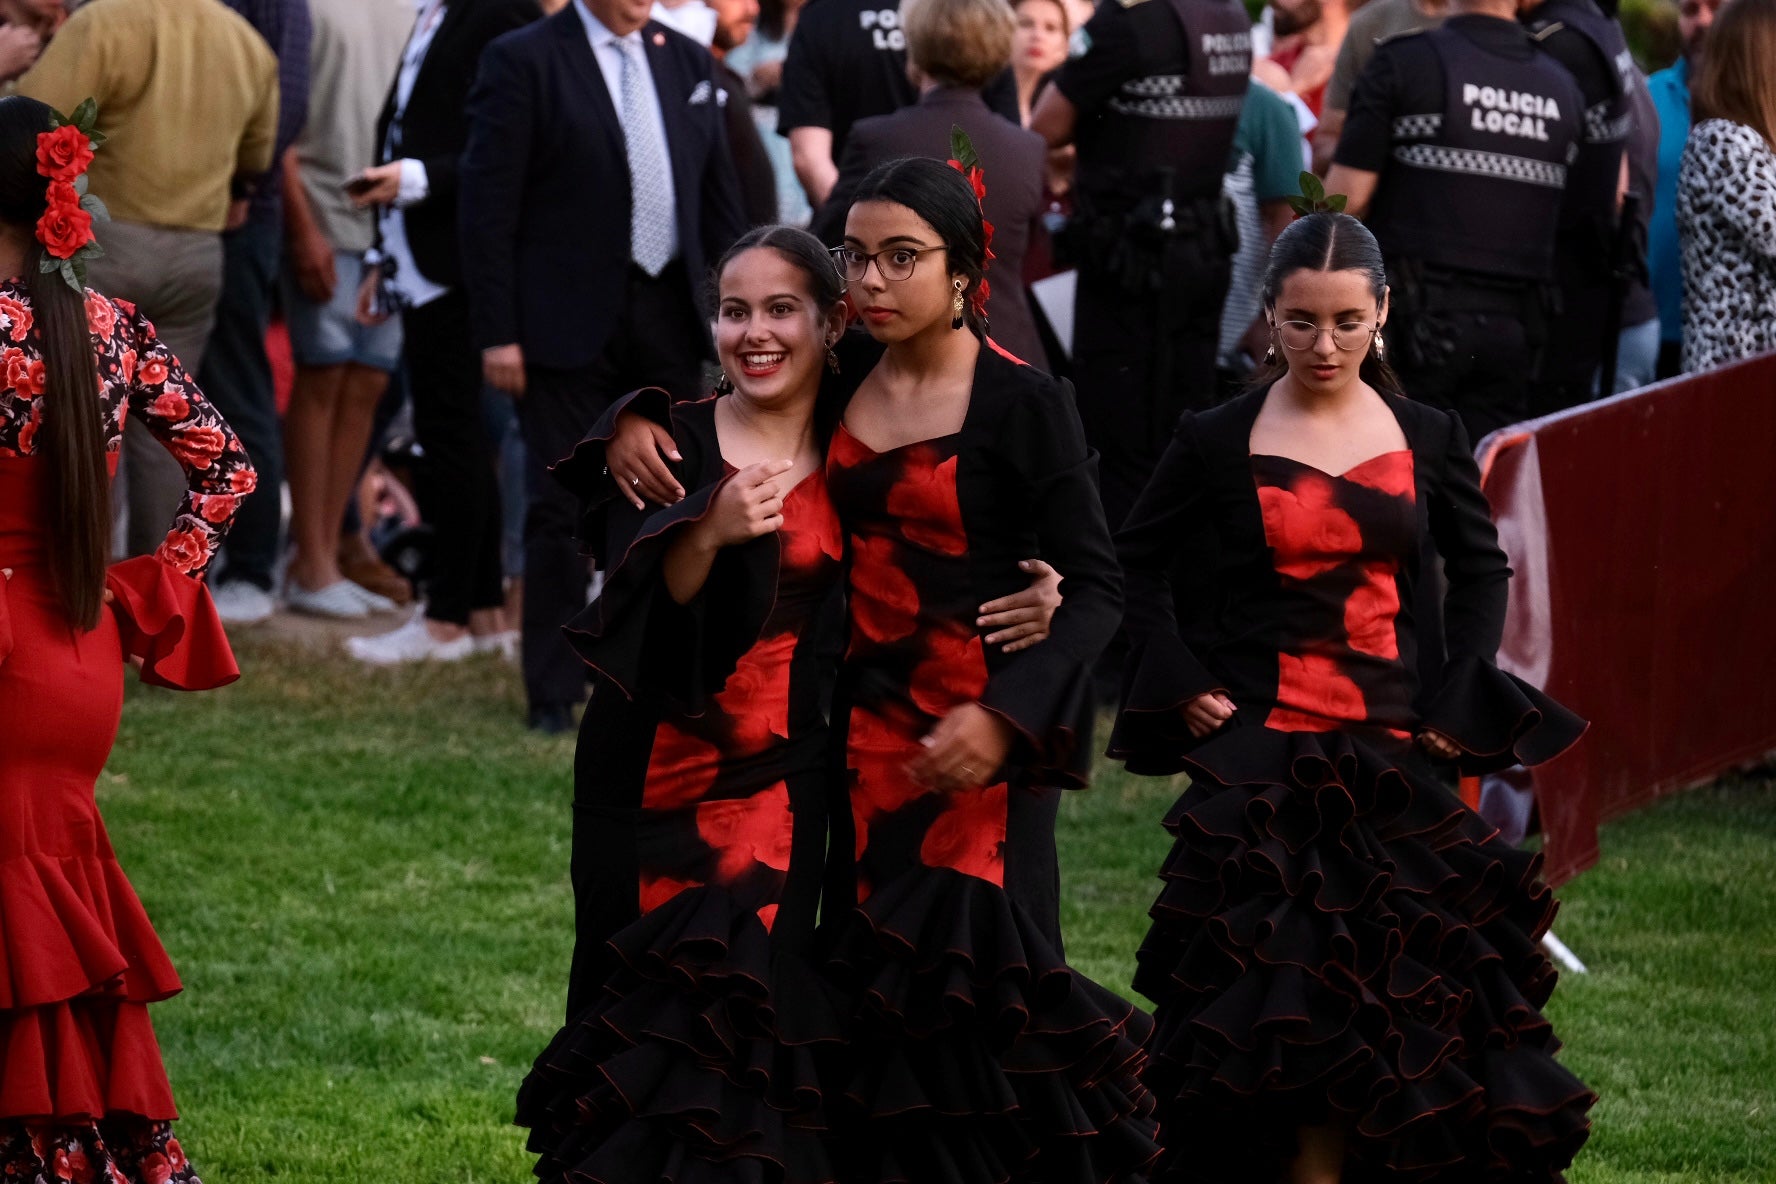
(1590, 45)
(1456, 151)
(1153, 106)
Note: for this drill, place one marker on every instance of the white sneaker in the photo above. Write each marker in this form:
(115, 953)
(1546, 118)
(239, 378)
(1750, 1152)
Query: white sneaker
(412, 642)
(336, 601)
(239, 602)
(373, 602)
(504, 643)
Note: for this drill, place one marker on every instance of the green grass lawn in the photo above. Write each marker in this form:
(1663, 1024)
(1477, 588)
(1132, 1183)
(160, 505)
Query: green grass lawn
(362, 878)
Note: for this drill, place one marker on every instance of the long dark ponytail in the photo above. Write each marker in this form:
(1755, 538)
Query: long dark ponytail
(1327, 242)
(72, 432)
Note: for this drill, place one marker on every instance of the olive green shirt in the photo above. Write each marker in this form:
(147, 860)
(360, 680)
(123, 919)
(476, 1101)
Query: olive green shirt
(188, 97)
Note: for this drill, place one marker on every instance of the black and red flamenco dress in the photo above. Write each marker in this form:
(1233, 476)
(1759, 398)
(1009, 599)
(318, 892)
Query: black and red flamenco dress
(83, 1092)
(1338, 939)
(977, 1055)
(695, 1052)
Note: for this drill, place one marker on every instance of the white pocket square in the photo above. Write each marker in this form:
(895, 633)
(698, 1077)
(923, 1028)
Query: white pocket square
(702, 93)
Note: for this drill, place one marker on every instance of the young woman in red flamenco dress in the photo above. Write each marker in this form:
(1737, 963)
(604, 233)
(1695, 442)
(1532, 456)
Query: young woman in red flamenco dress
(1343, 958)
(83, 1094)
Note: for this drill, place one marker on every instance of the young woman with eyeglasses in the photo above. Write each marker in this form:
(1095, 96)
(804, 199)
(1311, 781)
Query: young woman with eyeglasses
(1343, 958)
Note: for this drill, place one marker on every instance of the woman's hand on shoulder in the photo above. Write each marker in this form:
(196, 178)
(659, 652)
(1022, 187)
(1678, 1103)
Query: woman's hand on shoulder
(749, 504)
(966, 748)
(1205, 714)
(1439, 745)
(636, 458)
(1022, 619)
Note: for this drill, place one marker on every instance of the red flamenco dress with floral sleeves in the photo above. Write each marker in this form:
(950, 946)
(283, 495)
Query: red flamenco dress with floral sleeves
(83, 1093)
(695, 1032)
(1337, 939)
(977, 1055)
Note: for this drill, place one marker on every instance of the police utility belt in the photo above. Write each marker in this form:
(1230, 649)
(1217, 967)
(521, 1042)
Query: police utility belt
(1431, 298)
(1147, 247)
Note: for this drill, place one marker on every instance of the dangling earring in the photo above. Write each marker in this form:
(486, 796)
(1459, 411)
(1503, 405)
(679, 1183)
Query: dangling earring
(832, 358)
(1381, 347)
(724, 385)
(960, 307)
(1270, 355)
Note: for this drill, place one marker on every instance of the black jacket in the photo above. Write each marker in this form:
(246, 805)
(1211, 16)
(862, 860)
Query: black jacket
(435, 126)
(1201, 513)
(545, 186)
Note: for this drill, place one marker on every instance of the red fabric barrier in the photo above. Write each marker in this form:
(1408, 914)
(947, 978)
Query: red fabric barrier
(1642, 530)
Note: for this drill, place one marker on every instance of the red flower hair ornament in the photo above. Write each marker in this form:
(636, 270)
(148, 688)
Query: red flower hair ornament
(65, 229)
(966, 161)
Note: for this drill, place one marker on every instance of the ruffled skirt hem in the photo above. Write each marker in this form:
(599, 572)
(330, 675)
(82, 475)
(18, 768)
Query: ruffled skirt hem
(1338, 940)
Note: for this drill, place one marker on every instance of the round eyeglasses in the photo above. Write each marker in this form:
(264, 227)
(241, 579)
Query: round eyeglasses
(1304, 335)
(895, 263)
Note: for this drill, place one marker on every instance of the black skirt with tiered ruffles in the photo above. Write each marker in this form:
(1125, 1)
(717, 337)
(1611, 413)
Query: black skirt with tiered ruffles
(1339, 941)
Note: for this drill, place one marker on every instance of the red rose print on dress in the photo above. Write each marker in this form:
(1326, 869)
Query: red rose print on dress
(198, 445)
(748, 831)
(17, 315)
(953, 669)
(969, 835)
(925, 502)
(884, 600)
(152, 371)
(217, 508)
(681, 769)
(101, 314)
(1308, 533)
(1390, 473)
(1314, 695)
(1370, 612)
(171, 406)
(755, 699)
(186, 550)
(805, 550)
(25, 375)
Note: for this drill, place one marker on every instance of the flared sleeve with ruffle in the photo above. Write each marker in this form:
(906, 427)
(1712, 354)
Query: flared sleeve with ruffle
(1163, 673)
(1045, 692)
(167, 620)
(635, 634)
(1496, 718)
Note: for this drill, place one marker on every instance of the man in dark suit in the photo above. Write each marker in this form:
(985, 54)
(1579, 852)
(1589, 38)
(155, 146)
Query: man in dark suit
(422, 131)
(955, 48)
(597, 190)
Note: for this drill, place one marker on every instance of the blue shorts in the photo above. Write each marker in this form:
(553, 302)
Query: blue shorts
(329, 334)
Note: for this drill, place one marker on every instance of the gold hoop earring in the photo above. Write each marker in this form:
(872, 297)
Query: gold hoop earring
(959, 308)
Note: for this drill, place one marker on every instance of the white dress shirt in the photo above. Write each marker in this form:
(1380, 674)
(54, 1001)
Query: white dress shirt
(415, 185)
(610, 63)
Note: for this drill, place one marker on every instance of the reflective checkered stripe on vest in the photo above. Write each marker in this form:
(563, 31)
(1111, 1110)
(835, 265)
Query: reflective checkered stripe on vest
(1605, 138)
(1478, 185)
(1183, 118)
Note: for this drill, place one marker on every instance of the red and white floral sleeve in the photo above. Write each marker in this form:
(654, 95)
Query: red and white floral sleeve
(166, 401)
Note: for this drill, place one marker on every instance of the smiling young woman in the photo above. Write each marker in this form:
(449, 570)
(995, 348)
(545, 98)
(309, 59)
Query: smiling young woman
(1343, 957)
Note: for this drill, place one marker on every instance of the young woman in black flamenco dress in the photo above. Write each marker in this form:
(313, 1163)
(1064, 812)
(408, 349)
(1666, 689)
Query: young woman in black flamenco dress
(976, 1053)
(1344, 959)
(83, 1092)
(697, 1021)
(699, 834)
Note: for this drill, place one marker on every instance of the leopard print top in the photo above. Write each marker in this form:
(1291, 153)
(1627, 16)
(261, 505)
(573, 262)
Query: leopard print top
(1726, 224)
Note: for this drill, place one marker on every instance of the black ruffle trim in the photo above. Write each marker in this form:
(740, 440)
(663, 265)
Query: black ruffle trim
(977, 1055)
(1339, 940)
(699, 1065)
(1498, 719)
